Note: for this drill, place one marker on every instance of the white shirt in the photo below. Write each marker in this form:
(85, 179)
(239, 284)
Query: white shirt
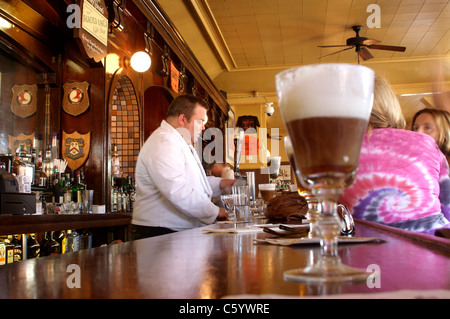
(172, 189)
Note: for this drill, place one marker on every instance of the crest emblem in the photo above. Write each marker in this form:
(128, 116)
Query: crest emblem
(76, 148)
(76, 98)
(24, 100)
(21, 141)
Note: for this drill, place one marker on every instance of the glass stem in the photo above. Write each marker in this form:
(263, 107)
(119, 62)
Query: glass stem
(329, 226)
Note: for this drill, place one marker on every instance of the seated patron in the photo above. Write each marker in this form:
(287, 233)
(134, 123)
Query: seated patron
(400, 172)
(435, 123)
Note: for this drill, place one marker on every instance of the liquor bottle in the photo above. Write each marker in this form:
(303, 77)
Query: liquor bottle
(69, 244)
(113, 195)
(86, 240)
(33, 249)
(76, 240)
(51, 246)
(6, 250)
(58, 188)
(48, 165)
(33, 164)
(18, 253)
(55, 146)
(126, 202)
(40, 176)
(115, 162)
(67, 189)
(26, 158)
(77, 188)
(119, 200)
(43, 245)
(83, 178)
(132, 194)
(60, 237)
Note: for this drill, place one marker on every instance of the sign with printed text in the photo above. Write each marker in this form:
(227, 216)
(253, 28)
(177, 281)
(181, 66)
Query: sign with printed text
(174, 77)
(93, 34)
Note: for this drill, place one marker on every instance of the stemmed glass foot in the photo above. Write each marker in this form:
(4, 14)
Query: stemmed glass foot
(328, 267)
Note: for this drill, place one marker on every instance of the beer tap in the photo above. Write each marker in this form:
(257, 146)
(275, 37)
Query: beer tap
(240, 179)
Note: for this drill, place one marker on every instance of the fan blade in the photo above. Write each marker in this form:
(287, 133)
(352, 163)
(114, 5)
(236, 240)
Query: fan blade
(332, 46)
(323, 56)
(387, 47)
(365, 54)
(370, 41)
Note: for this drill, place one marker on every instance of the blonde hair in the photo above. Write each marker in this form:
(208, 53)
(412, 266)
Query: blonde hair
(442, 119)
(386, 110)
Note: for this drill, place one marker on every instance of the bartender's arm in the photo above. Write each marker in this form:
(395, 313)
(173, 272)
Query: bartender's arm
(222, 214)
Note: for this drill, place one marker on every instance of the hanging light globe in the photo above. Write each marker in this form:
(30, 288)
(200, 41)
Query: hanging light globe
(140, 61)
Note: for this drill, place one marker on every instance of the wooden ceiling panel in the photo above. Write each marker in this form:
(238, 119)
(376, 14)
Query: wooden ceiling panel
(263, 37)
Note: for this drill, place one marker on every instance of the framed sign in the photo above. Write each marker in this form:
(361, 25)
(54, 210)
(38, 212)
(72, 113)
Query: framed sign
(93, 35)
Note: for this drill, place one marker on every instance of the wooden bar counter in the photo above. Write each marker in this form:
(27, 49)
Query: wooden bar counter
(17, 224)
(193, 264)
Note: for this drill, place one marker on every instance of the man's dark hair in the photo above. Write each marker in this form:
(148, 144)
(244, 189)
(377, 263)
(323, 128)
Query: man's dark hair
(185, 104)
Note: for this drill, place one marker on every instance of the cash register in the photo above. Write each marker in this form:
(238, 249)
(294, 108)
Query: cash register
(11, 201)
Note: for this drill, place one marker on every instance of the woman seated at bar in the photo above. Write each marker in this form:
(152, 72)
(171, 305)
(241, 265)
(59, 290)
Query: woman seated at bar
(400, 172)
(435, 123)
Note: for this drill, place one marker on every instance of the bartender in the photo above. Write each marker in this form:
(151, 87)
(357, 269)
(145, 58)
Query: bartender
(173, 192)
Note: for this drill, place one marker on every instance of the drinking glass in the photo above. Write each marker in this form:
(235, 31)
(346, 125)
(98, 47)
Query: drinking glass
(313, 208)
(267, 191)
(326, 108)
(241, 201)
(228, 203)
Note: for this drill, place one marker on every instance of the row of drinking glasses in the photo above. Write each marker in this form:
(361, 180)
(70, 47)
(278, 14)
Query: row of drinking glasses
(239, 205)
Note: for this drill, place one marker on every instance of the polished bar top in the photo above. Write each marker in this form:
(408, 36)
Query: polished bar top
(194, 264)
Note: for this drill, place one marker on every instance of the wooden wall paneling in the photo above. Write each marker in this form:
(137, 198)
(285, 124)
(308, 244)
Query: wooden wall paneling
(156, 104)
(33, 39)
(166, 29)
(77, 69)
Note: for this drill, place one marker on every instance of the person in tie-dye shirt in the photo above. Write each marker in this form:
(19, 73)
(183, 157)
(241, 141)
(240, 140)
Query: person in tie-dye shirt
(403, 177)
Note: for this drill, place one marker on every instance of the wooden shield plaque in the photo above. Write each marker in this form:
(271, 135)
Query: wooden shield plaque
(22, 139)
(76, 98)
(24, 100)
(76, 148)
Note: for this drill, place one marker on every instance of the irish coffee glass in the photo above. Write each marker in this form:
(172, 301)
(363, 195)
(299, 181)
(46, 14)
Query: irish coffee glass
(326, 108)
(313, 208)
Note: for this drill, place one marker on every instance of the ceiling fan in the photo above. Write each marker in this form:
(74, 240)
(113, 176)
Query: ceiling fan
(277, 137)
(361, 45)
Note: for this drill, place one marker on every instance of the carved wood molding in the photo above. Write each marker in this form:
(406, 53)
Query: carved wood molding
(166, 29)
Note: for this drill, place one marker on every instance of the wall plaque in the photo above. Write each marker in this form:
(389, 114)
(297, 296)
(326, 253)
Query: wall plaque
(76, 97)
(24, 100)
(76, 148)
(93, 35)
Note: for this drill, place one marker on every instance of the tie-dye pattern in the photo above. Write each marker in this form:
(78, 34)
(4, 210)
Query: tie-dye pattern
(398, 182)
